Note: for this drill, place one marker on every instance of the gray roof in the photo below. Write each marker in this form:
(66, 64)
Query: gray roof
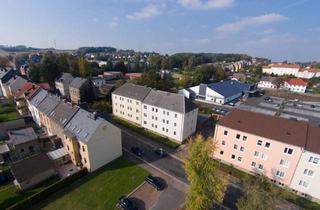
(66, 78)
(77, 82)
(48, 104)
(58, 153)
(83, 125)
(169, 101)
(22, 136)
(268, 79)
(17, 83)
(6, 75)
(63, 113)
(28, 168)
(136, 92)
(38, 97)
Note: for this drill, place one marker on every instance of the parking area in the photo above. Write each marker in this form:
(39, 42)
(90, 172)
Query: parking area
(290, 109)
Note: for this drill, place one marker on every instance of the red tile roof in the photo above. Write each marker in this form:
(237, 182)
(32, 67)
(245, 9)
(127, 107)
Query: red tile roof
(296, 82)
(26, 86)
(44, 85)
(282, 65)
(310, 69)
(271, 127)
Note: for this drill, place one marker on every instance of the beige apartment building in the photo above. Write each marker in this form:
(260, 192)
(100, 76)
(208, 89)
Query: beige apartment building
(91, 141)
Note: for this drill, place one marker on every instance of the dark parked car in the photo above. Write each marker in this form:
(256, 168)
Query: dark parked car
(155, 182)
(312, 106)
(161, 152)
(137, 151)
(126, 204)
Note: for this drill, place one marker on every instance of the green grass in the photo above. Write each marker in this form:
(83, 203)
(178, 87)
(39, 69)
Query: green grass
(142, 131)
(8, 112)
(9, 194)
(98, 190)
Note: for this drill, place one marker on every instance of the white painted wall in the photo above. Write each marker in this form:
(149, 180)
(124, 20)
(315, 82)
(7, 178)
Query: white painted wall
(127, 108)
(300, 178)
(266, 84)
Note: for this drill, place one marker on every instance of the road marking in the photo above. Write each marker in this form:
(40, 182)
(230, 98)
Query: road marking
(151, 145)
(155, 167)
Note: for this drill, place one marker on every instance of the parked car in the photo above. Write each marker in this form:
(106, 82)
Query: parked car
(297, 105)
(137, 151)
(312, 106)
(160, 152)
(126, 204)
(155, 182)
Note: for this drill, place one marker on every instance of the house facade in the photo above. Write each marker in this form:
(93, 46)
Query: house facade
(127, 102)
(288, 156)
(267, 83)
(295, 85)
(33, 103)
(170, 115)
(91, 141)
(5, 76)
(281, 69)
(79, 89)
(63, 82)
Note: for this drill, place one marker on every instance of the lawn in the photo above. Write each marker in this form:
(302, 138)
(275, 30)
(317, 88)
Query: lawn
(98, 190)
(149, 134)
(9, 195)
(8, 112)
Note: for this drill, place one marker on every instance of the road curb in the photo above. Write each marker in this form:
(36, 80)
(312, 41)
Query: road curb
(135, 189)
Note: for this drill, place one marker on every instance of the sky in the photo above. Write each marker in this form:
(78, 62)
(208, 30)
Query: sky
(276, 29)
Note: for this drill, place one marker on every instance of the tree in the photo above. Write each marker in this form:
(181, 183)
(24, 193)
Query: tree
(83, 67)
(120, 67)
(219, 74)
(4, 62)
(63, 63)
(108, 66)
(259, 194)
(207, 184)
(155, 62)
(34, 73)
(203, 74)
(279, 81)
(137, 57)
(165, 63)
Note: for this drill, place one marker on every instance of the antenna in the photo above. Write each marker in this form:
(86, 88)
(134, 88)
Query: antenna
(54, 44)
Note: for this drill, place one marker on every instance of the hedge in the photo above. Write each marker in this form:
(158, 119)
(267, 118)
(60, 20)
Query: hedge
(146, 133)
(40, 196)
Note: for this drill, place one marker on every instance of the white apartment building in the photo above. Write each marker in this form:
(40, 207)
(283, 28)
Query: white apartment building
(267, 83)
(281, 69)
(306, 179)
(127, 102)
(171, 115)
(34, 102)
(168, 114)
(295, 85)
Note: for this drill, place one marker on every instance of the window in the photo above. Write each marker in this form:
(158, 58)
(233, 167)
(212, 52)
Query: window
(163, 120)
(225, 133)
(167, 121)
(244, 138)
(175, 124)
(22, 150)
(155, 126)
(223, 142)
(145, 107)
(31, 149)
(68, 148)
(152, 125)
(235, 146)
(85, 160)
(313, 160)
(162, 129)
(137, 110)
(304, 184)
(238, 136)
(240, 159)
(264, 156)
(280, 174)
(83, 149)
(167, 130)
(152, 108)
(308, 172)
(221, 152)
(259, 143)
(267, 145)
(137, 103)
(285, 163)
(156, 110)
(164, 112)
(137, 118)
(145, 122)
(288, 151)
(152, 117)
(174, 133)
(242, 149)
(175, 115)
(256, 153)
(233, 157)
(253, 164)
(260, 167)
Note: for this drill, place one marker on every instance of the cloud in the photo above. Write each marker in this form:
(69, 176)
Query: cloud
(206, 4)
(147, 12)
(267, 32)
(258, 20)
(114, 23)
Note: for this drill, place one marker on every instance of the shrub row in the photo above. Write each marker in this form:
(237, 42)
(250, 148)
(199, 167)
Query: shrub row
(42, 195)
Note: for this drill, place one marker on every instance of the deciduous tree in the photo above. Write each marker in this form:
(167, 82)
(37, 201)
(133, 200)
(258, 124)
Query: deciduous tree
(207, 183)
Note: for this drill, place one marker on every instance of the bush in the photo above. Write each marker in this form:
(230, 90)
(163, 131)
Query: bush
(146, 133)
(36, 198)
